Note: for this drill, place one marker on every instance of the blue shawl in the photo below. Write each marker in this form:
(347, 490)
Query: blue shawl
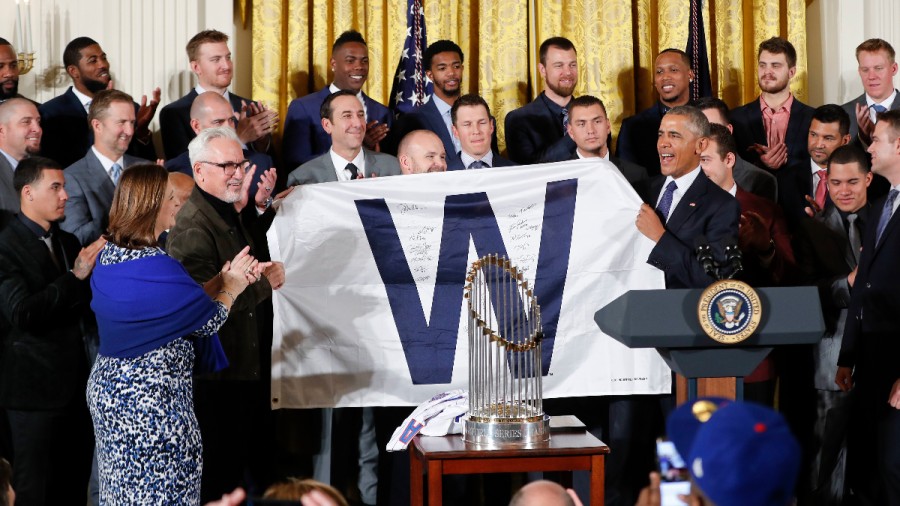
(146, 303)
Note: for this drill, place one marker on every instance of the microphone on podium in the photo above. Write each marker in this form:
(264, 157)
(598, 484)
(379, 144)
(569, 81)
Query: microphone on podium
(734, 256)
(705, 256)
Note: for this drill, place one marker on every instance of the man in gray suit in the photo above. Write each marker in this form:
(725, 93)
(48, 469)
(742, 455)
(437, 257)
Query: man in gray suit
(748, 177)
(20, 136)
(877, 69)
(344, 119)
(92, 180)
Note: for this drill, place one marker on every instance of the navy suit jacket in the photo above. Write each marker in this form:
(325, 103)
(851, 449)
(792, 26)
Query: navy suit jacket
(872, 332)
(305, 139)
(637, 138)
(704, 210)
(175, 122)
(748, 126)
(534, 134)
(263, 162)
(67, 135)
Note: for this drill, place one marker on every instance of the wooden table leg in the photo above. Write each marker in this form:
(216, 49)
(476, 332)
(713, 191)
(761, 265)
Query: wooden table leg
(435, 482)
(597, 484)
(416, 492)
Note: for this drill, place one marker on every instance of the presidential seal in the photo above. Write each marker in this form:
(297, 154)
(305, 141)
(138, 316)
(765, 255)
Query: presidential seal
(729, 311)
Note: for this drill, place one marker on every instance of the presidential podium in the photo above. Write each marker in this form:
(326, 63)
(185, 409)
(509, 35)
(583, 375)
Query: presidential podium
(668, 321)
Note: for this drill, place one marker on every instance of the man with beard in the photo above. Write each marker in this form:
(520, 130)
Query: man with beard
(536, 132)
(67, 135)
(20, 137)
(769, 131)
(9, 72)
(637, 137)
(211, 61)
(421, 151)
(92, 180)
(304, 137)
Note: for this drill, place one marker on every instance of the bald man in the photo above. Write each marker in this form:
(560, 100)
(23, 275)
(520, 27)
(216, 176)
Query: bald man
(20, 137)
(421, 151)
(544, 493)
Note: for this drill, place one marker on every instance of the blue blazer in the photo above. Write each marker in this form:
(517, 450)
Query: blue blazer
(534, 134)
(175, 122)
(263, 162)
(637, 138)
(748, 126)
(705, 209)
(67, 135)
(304, 138)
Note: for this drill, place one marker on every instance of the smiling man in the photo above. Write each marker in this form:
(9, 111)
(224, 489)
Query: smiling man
(769, 131)
(67, 135)
(877, 69)
(637, 138)
(210, 61)
(92, 180)
(304, 137)
(536, 132)
(20, 137)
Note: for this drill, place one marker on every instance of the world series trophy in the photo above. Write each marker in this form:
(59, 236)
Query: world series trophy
(505, 388)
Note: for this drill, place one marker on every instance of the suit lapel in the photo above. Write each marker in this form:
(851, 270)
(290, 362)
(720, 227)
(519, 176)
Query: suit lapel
(891, 228)
(757, 128)
(794, 124)
(36, 256)
(836, 224)
(327, 168)
(894, 105)
(6, 185)
(689, 203)
(99, 178)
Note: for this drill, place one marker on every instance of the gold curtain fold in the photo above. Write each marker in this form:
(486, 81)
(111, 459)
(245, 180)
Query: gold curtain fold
(617, 42)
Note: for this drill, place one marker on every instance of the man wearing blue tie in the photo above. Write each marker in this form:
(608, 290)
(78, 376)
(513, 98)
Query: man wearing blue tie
(868, 361)
(474, 127)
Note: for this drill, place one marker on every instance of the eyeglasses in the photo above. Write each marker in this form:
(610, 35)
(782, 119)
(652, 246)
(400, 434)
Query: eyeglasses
(231, 167)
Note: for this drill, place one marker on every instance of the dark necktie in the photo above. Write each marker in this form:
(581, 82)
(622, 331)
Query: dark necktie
(666, 201)
(48, 240)
(478, 164)
(354, 171)
(853, 235)
(565, 121)
(886, 213)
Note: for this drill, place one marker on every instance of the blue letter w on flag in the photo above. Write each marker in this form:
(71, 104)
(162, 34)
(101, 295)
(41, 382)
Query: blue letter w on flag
(430, 346)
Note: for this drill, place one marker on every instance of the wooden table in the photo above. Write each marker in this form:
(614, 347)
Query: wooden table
(578, 451)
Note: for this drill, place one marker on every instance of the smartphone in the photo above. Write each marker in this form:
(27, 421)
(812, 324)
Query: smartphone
(675, 479)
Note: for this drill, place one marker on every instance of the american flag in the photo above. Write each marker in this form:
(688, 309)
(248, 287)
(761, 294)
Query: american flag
(411, 88)
(696, 49)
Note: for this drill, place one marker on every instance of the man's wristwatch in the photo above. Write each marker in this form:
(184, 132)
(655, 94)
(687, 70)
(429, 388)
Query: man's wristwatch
(267, 204)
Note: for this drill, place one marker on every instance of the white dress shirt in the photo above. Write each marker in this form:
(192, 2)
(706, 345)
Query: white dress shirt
(340, 164)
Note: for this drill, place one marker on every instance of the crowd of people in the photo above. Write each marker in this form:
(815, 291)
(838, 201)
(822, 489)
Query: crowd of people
(136, 317)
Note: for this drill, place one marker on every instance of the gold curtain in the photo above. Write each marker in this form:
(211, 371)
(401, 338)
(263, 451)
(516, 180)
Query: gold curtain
(617, 42)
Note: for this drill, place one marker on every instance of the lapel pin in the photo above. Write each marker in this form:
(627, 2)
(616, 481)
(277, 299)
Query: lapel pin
(692, 204)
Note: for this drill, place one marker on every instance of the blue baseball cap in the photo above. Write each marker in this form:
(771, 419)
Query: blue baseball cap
(683, 423)
(745, 455)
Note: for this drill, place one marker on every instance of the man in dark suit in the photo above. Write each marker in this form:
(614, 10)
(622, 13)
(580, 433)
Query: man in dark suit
(43, 364)
(828, 130)
(828, 248)
(473, 126)
(344, 120)
(769, 131)
(689, 204)
(67, 136)
(20, 137)
(748, 177)
(871, 346)
(304, 137)
(210, 61)
(92, 180)
(589, 128)
(232, 406)
(536, 132)
(637, 137)
(877, 69)
(9, 72)
(211, 110)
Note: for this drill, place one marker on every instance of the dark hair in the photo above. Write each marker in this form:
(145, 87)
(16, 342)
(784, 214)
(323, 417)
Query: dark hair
(72, 54)
(833, 113)
(348, 36)
(706, 103)
(441, 46)
(777, 45)
(585, 101)
(849, 153)
(325, 111)
(875, 45)
(135, 206)
(891, 118)
(103, 99)
(30, 170)
(204, 37)
(293, 489)
(557, 42)
(724, 140)
(5, 478)
(468, 100)
(697, 122)
(684, 56)
(4, 42)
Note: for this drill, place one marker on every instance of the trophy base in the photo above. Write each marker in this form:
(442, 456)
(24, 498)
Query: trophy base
(507, 434)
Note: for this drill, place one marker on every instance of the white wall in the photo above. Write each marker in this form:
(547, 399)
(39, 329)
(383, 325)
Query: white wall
(144, 41)
(834, 29)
